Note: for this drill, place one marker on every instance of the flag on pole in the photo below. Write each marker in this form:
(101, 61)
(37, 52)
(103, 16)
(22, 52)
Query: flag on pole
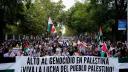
(50, 23)
(53, 30)
(100, 31)
(99, 38)
(51, 27)
(105, 49)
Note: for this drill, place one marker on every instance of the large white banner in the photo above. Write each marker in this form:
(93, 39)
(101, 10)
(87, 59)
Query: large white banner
(66, 64)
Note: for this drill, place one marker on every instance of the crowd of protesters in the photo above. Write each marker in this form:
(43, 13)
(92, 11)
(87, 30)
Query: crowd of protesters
(56, 46)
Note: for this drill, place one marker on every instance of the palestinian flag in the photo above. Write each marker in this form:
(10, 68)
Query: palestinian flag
(105, 49)
(100, 31)
(51, 27)
(53, 30)
(50, 23)
(99, 38)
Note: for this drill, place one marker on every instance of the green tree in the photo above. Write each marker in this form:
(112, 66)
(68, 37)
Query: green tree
(53, 10)
(27, 16)
(9, 14)
(90, 15)
(33, 20)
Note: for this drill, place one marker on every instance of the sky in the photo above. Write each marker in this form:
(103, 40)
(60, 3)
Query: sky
(68, 3)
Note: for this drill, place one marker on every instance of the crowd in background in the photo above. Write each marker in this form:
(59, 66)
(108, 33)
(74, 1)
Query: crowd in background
(55, 46)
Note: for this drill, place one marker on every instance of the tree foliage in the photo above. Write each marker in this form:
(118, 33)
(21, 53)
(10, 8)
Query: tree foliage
(31, 16)
(36, 17)
(90, 15)
(9, 14)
